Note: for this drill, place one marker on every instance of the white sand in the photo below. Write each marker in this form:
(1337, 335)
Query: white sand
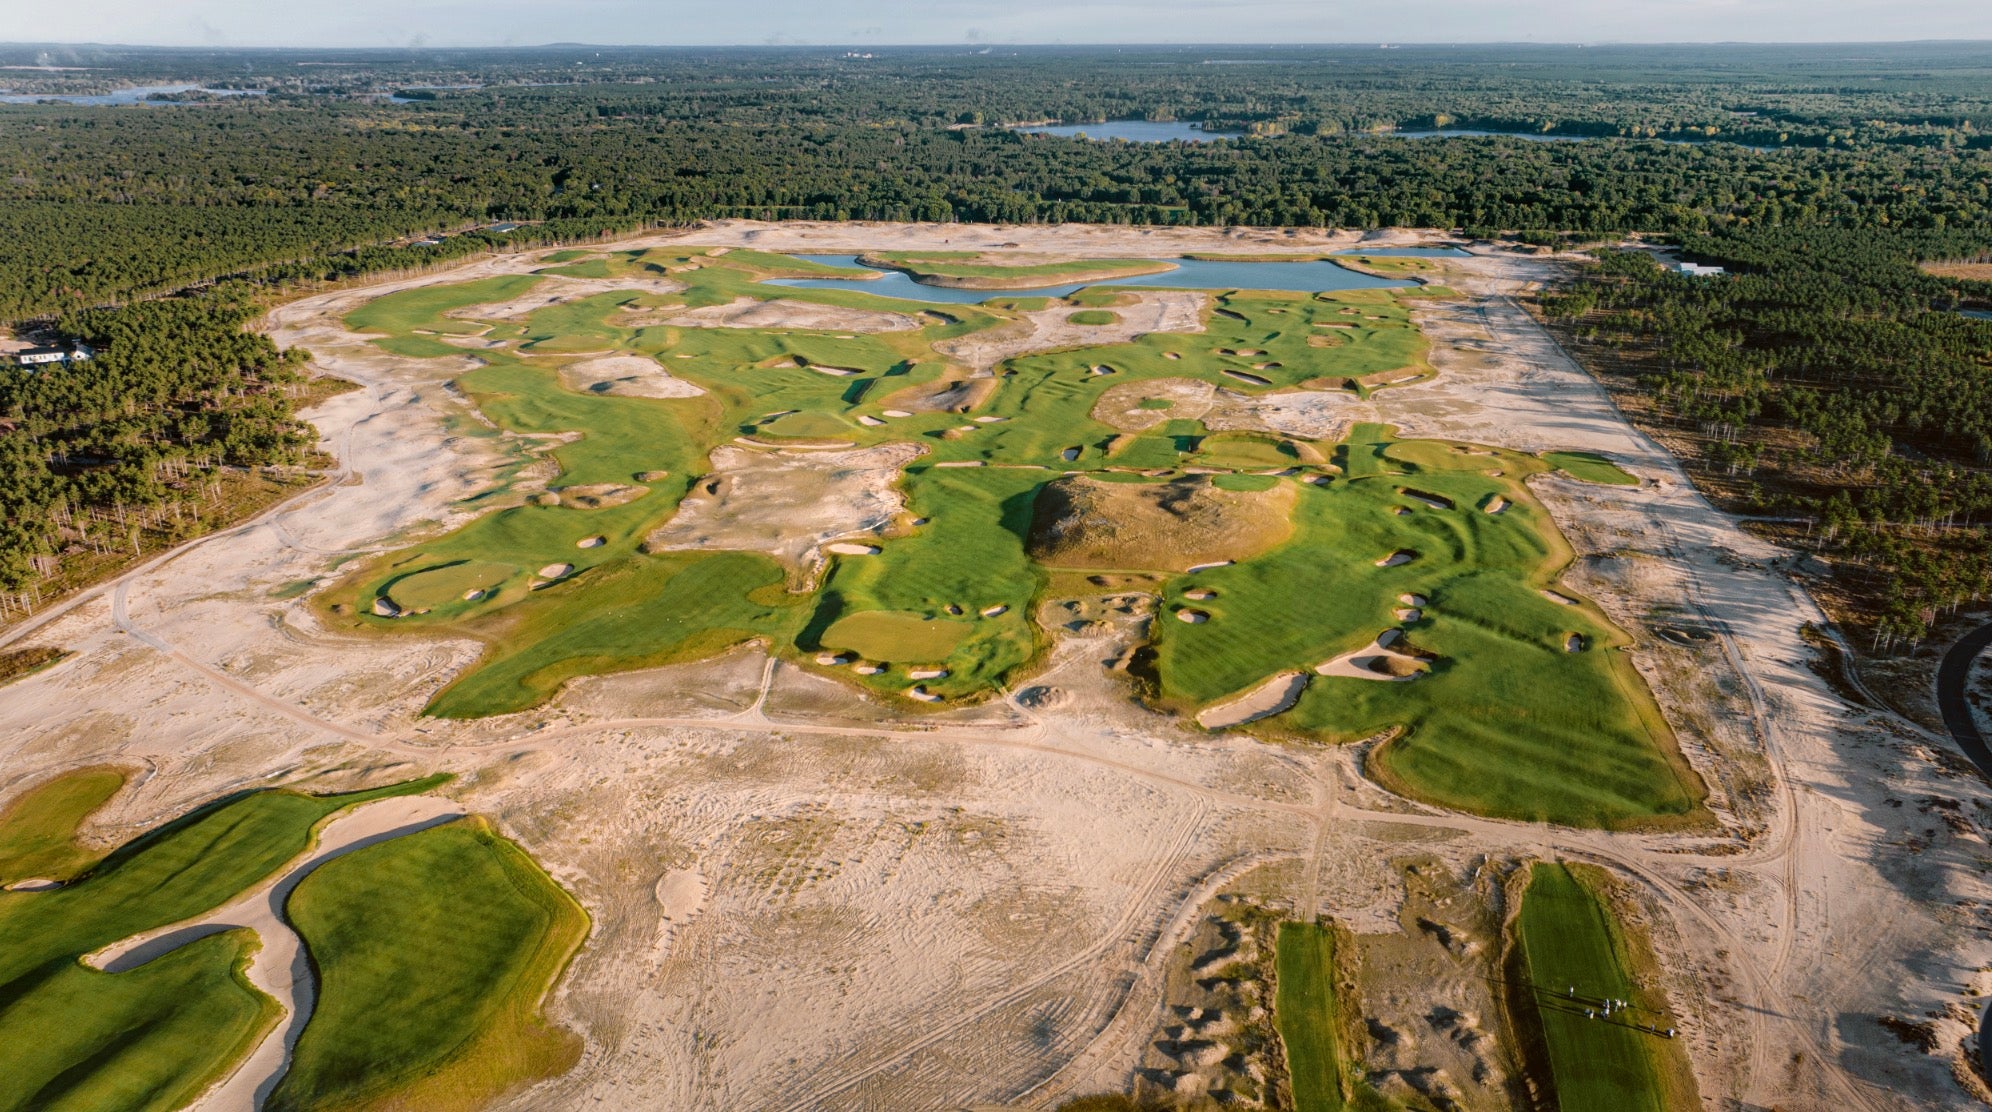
(1270, 697)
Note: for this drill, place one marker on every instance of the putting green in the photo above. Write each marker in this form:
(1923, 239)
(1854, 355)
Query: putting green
(895, 637)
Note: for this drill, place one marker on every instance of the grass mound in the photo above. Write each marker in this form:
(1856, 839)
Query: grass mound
(1094, 318)
(38, 828)
(1087, 522)
(433, 952)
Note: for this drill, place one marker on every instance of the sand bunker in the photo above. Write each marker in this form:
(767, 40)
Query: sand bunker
(1397, 559)
(556, 571)
(558, 289)
(591, 542)
(1192, 617)
(746, 312)
(1496, 505)
(1269, 698)
(1082, 522)
(845, 548)
(1559, 598)
(1377, 660)
(1435, 501)
(626, 376)
(791, 504)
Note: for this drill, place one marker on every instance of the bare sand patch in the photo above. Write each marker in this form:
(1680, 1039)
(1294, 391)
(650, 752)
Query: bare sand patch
(1270, 697)
(1049, 329)
(1305, 414)
(791, 504)
(628, 376)
(747, 312)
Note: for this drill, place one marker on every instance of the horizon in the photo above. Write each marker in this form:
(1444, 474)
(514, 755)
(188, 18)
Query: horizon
(539, 24)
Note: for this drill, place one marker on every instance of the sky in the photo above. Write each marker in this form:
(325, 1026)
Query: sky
(439, 23)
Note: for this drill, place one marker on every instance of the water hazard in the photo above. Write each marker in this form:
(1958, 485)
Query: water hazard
(1191, 274)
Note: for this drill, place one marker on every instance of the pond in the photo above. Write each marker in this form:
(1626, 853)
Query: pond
(137, 94)
(1134, 131)
(1191, 274)
(1977, 314)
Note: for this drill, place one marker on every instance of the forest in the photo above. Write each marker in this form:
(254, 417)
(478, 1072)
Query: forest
(1829, 379)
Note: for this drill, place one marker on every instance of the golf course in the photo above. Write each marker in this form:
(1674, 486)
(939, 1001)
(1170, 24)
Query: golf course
(891, 493)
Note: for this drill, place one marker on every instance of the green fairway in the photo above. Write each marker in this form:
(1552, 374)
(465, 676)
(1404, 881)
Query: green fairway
(434, 952)
(1305, 1010)
(75, 1038)
(1589, 467)
(38, 826)
(1505, 720)
(1570, 955)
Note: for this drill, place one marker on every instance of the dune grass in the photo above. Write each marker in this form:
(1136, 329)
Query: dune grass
(38, 826)
(1305, 1010)
(151, 1038)
(434, 952)
(1566, 938)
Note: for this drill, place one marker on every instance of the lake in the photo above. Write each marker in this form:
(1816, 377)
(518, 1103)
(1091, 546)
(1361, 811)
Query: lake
(1134, 131)
(137, 94)
(1976, 314)
(1190, 274)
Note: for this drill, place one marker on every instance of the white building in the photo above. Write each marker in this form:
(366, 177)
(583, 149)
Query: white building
(1696, 270)
(42, 356)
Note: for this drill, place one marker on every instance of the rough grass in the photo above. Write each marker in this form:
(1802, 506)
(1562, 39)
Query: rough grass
(151, 1038)
(38, 826)
(1566, 936)
(1305, 1010)
(1590, 468)
(434, 952)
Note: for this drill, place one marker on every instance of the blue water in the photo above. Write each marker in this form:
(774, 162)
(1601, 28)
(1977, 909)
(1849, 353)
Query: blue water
(1190, 274)
(1134, 131)
(1976, 314)
(1410, 252)
(134, 95)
